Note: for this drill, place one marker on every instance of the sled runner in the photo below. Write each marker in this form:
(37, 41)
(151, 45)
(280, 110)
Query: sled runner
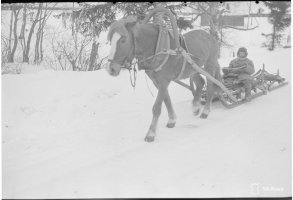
(264, 82)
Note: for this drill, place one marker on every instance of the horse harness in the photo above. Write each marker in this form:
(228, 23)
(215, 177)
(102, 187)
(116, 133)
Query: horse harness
(162, 48)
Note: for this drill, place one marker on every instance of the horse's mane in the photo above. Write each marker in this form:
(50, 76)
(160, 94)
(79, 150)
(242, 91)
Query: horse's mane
(120, 26)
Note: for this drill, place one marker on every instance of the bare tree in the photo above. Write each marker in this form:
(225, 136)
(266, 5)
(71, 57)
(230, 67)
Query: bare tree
(5, 51)
(15, 14)
(22, 32)
(35, 21)
(65, 54)
(215, 12)
(37, 44)
(93, 56)
(40, 34)
(10, 35)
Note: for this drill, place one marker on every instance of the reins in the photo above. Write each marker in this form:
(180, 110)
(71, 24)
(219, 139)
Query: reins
(131, 67)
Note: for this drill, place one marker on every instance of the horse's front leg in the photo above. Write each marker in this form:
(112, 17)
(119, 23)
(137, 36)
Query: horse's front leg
(157, 107)
(167, 100)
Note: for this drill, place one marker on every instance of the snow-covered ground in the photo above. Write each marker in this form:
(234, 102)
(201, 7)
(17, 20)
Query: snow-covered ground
(80, 135)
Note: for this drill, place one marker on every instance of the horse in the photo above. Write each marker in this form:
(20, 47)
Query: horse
(131, 39)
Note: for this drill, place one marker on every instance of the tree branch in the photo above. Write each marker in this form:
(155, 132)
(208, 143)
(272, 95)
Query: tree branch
(241, 29)
(194, 19)
(64, 51)
(84, 43)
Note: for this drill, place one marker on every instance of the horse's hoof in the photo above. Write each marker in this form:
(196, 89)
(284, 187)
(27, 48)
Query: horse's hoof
(149, 138)
(204, 116)
(171, 125)
(196, 112)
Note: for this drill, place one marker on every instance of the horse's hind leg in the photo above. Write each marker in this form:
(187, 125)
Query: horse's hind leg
(209, 98)
(172, 116)
(199, 82)
(211, 88)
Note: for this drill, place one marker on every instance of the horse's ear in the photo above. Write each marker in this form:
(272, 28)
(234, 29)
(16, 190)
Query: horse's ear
(131, 21)
(130, 25)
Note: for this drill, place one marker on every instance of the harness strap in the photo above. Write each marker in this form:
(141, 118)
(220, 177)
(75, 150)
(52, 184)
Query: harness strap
(158, 46)
(166, 51)
(163, 34)
(163, 63)
(182, 69)
(184, 61)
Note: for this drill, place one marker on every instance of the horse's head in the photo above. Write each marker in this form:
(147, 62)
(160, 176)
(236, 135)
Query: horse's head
(122, 45)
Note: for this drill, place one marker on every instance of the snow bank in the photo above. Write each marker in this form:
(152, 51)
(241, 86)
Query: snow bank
(80, 135)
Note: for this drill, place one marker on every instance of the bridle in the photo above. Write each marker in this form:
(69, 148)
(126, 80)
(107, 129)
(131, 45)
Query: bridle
(128, 64)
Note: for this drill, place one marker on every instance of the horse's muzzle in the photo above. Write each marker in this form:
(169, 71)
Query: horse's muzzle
(113, 69)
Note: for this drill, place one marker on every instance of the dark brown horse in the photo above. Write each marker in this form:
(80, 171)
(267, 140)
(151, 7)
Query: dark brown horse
(131, 39)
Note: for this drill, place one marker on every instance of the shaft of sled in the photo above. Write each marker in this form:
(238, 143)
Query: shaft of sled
(200, 70)
(183, 84)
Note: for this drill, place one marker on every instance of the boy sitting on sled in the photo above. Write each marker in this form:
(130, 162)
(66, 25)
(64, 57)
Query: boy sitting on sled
(241, 68)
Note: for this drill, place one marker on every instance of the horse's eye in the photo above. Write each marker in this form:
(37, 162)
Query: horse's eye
(123, 41)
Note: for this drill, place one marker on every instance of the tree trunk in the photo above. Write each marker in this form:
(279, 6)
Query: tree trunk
(93, 56)
(22, 33)
(10, 35)
(273, 38)
(212, 20)
(44, 20)
(41, 37)
(41, 44)
(46, 16)
(11, 57)
(26, 56)
(73, 64)
(38, 35)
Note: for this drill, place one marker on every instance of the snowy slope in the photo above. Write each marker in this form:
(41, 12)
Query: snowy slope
(80, 134)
